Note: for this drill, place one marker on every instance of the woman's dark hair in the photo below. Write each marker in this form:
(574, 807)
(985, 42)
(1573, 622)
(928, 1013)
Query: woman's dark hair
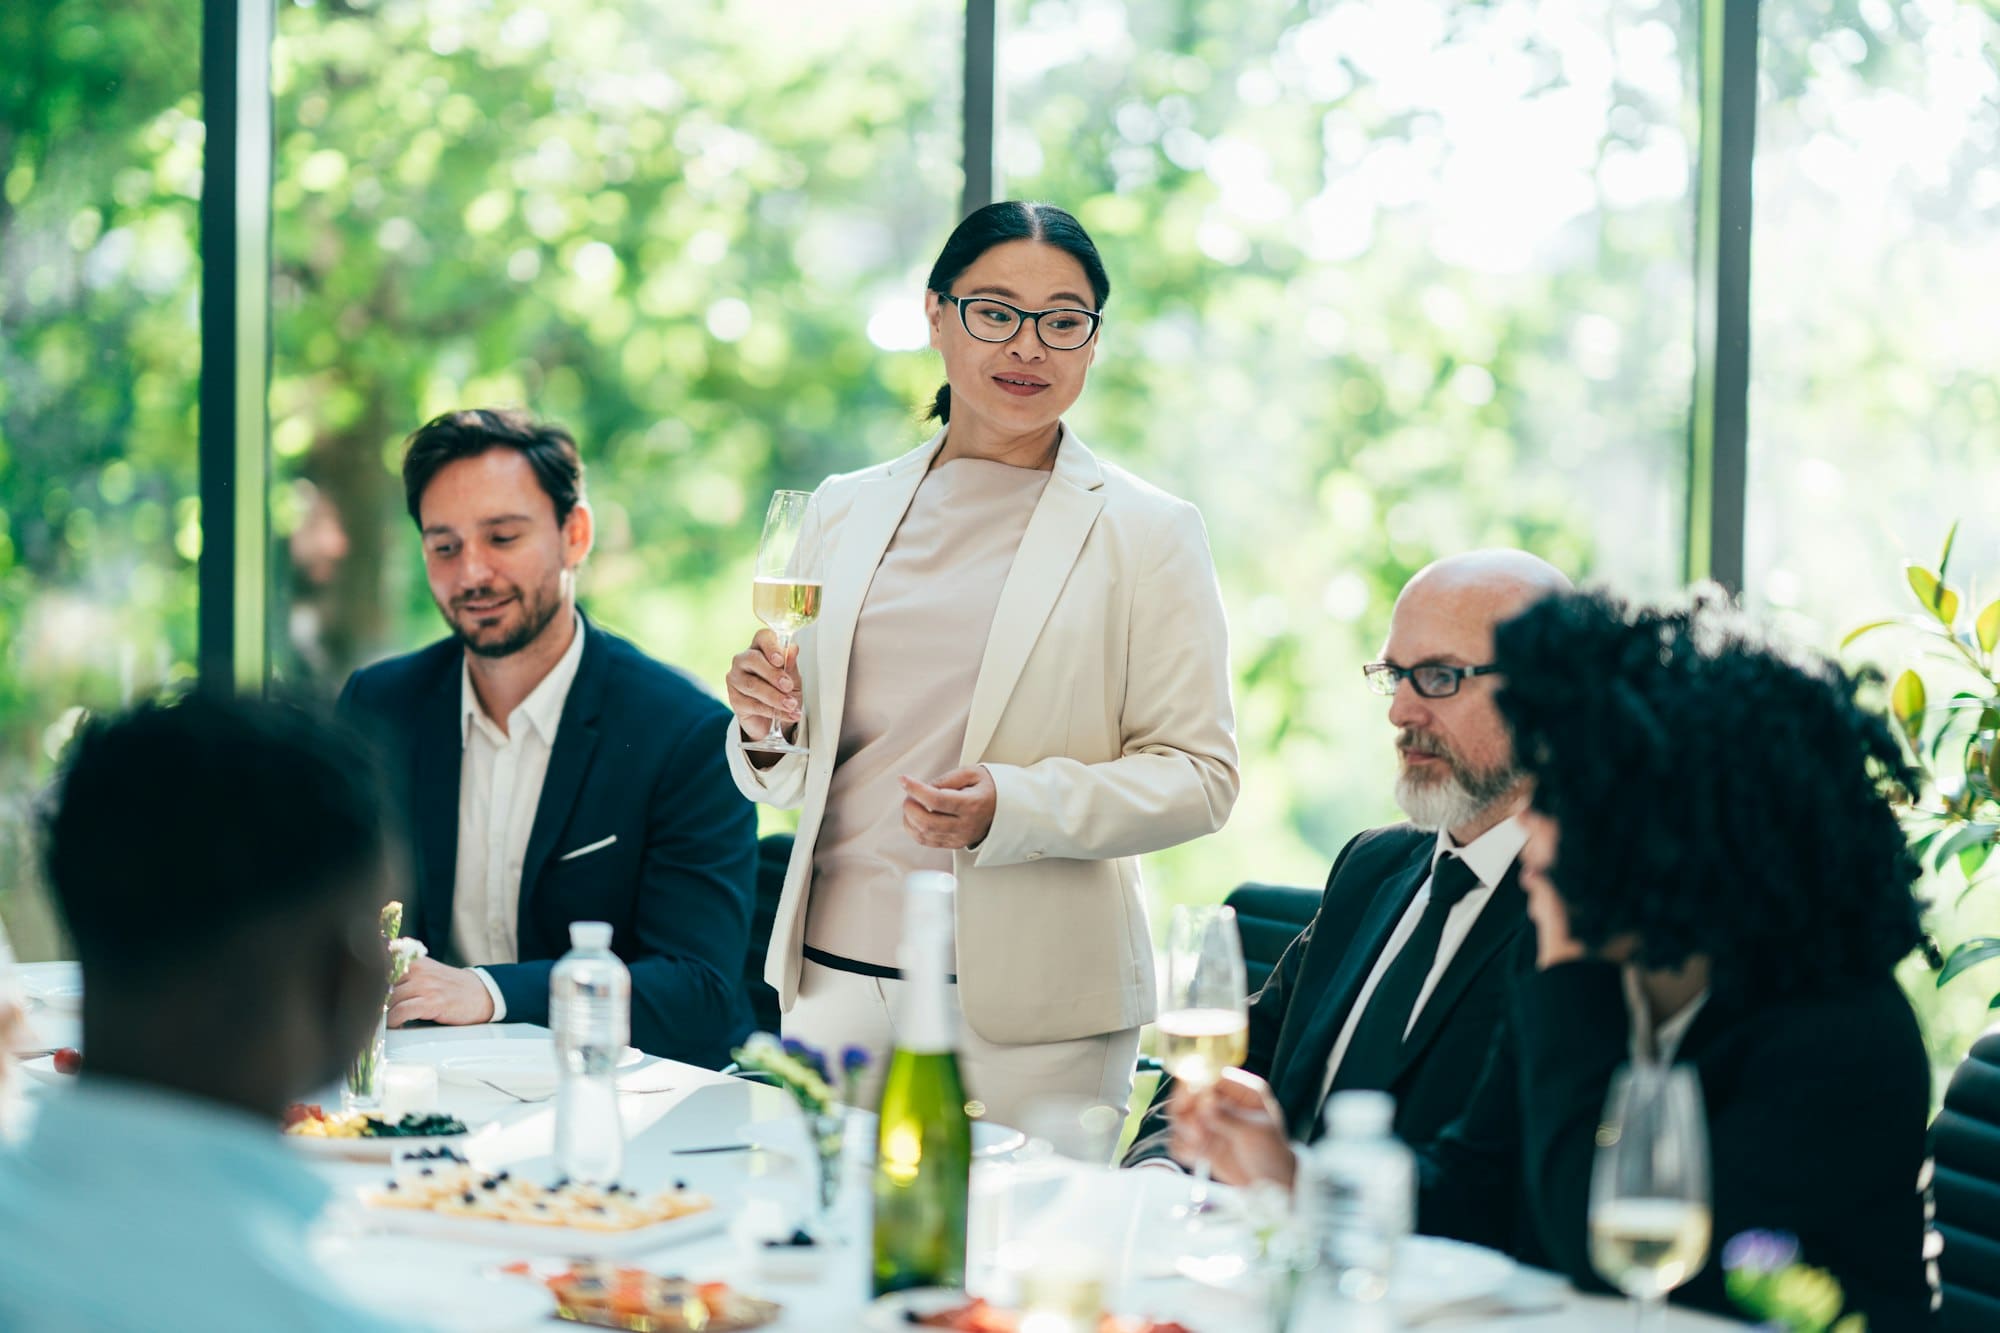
(1717, 794)
(549, 449)
(1013, 220)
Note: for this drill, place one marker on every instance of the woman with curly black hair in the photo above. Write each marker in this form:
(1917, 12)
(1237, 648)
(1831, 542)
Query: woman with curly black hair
(1717, 879)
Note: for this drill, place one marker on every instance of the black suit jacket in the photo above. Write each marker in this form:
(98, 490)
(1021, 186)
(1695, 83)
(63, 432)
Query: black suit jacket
(1296, 1018)
(638, 757)
(1817, 1113)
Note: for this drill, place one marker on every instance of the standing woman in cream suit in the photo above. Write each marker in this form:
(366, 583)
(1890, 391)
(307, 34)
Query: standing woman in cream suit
(1019, 674)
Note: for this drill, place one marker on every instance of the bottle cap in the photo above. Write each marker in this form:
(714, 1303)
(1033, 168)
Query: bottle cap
(590, 934)
(1359, 1114)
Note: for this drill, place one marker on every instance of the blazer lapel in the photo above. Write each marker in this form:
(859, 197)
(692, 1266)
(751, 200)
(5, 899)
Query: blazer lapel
(1305, 1072)
(859, 539)
(1499, 922)
(440, 755)
(569, 762)
(1055, 535)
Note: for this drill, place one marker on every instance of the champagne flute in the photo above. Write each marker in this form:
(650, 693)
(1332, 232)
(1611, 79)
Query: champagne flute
(786, 591)
(1649, 1188)
(1205, 1020)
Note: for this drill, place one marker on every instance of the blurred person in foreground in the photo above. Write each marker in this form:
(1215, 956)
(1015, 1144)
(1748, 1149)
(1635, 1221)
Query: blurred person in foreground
(220, 866)
(554, 772)
(1398, 982)
(1717, 879)
(1020, 675)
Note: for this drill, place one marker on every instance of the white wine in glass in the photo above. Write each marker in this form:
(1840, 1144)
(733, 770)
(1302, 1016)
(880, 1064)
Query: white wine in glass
(1205, 1017)
(1649, 1187)
(785, 591)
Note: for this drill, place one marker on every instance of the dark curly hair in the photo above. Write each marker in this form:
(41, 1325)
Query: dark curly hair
(1717, 793)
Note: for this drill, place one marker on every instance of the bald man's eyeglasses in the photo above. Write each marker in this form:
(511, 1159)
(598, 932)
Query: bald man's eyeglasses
(1433, 680)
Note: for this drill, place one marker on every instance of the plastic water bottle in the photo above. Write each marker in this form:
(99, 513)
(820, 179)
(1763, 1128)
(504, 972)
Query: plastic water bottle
(1362, 1201)
(590, 1008)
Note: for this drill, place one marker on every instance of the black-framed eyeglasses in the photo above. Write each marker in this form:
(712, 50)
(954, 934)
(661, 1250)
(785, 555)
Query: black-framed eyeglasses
(1433, 680)
(1062, 329)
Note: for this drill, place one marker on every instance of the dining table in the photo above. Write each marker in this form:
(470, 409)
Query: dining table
(745, 1145)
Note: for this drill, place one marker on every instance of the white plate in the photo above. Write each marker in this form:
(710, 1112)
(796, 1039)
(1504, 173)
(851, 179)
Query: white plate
(377, 1150)
(1431, 1270)
(527, 1238)
(445, 1291)
(526, 1070)
(43, 1069)
(893, 1313)
(60, 989)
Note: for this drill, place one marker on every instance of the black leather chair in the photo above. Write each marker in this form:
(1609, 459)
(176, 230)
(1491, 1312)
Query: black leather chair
(773, 855)
(1966, 1186)
(1269, 917)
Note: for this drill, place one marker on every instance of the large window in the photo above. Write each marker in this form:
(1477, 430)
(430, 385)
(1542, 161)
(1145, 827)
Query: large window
(696, 234)
(1875, 356)
(100, 174)
(1390, 279)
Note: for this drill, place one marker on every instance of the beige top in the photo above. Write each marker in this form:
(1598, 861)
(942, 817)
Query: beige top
(917, 648)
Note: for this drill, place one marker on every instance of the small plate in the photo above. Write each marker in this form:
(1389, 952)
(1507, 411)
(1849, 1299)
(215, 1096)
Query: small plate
(895, 1312)
(522, 1069)
(377, 1150)
(43, 1069)
(1431, 1270)
(60, 989)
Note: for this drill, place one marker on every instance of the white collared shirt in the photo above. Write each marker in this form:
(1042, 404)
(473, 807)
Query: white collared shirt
(1656, 1043)
(499, 789)
(1488, 856)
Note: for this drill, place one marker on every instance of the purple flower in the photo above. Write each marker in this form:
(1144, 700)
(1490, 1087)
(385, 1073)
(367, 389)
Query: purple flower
(805, 1054)
(1760, 1252)
(853, 1060)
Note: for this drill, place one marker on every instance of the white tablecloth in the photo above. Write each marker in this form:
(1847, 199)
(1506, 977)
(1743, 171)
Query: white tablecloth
(1122, 1212)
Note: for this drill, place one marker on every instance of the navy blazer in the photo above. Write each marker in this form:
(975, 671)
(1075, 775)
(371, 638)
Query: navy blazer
(638, 757)
(1296, 1017)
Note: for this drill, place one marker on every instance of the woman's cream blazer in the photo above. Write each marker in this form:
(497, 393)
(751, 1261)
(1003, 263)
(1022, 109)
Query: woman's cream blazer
(1101, 709)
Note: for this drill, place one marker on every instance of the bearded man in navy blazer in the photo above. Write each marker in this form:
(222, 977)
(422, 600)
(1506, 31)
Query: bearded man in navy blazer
(555, 773)
(1397, 983)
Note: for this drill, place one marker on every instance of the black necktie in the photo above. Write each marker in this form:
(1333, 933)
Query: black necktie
(1374, 1054)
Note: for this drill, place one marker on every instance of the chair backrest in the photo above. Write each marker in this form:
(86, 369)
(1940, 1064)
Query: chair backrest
(1966, 1184)
(1269, 917)
(774, 854)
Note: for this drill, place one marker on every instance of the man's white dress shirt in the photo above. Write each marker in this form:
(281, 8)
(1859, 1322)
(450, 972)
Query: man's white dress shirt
(499, 789)
(1488, 856)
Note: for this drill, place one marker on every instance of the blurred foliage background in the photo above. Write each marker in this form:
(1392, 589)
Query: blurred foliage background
(1391, 278)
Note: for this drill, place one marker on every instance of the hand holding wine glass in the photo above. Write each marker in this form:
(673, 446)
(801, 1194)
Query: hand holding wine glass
(1205, 1020)
(1649, 1189)
(785, 595)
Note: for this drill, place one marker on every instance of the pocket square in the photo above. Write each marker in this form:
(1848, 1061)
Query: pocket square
(597, 846)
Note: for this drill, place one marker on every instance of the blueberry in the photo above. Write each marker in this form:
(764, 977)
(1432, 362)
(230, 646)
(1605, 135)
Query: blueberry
(426, 1172)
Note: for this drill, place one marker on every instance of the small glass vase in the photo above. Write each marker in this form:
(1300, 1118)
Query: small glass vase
(362, 1090)
(829, 1135)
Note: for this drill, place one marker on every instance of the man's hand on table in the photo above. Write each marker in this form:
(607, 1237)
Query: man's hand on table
(440, 994)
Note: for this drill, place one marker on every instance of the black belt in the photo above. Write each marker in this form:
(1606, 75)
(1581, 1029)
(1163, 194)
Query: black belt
(858, 968)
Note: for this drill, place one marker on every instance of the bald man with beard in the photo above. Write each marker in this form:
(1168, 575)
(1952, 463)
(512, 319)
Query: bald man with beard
(1398, 982)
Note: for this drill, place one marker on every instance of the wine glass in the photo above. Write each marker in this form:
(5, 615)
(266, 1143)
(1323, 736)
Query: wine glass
(786, 591)
(1205, 1019)
(1649, 1188)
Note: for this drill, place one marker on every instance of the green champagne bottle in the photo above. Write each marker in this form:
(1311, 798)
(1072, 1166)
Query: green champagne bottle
(923, 1159)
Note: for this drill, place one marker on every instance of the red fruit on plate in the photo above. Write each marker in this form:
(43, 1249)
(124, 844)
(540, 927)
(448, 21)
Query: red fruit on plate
(68, 1060)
